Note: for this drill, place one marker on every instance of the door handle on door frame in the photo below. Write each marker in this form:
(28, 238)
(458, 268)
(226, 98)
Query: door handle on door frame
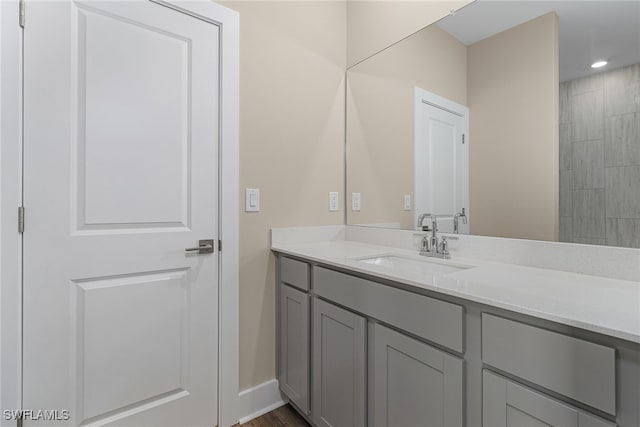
(204, 247)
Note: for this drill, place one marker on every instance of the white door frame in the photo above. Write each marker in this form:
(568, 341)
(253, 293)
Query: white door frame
(11, 197)
(421, 97)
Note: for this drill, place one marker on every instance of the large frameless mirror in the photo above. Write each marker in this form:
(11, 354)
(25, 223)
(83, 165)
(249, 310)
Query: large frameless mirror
(497, 120)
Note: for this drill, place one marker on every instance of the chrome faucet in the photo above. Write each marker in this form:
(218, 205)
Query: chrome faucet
(434, 221)
(456, 218)
(434, 228)
(421, 219)
(433, 246)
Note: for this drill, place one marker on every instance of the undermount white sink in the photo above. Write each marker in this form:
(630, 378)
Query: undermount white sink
(418, 266)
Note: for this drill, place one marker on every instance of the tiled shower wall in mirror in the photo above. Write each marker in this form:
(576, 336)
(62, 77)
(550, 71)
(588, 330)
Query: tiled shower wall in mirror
(600, 158)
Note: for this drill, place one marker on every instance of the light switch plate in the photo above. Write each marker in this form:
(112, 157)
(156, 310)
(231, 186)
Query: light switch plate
(333, 201)
(252, 200)
(407, 202)
(355, 202)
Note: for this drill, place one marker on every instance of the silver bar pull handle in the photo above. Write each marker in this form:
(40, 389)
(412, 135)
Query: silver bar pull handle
(205, 247)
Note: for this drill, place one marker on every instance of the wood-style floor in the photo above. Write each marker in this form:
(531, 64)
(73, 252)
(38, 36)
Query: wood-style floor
(284, 416)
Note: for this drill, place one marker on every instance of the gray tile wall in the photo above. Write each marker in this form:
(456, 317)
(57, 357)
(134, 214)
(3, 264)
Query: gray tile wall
(600, 158)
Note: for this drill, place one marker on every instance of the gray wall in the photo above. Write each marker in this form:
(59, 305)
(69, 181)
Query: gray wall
(600, 158)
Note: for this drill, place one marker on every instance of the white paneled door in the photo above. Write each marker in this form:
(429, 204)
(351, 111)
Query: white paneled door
(120, 176)
(441, 153)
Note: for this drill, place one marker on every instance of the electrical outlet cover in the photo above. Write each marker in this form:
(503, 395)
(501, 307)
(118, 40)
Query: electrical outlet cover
(333, 201)
(355, 202)
(407, 202)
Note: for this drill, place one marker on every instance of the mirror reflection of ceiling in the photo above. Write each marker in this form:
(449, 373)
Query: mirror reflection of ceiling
(589, 30)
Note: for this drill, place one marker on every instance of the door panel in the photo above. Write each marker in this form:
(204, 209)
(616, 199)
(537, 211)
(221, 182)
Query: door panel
(441, 165)
(441, 193)
(443, 135)
(147, 312)
(522, 419)
(294, 345)
(339, 366)
(115, 137)
(415, 384)
(508, 404)
(120, 176)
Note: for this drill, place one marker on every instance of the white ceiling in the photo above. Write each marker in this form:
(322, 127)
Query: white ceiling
(589, 29)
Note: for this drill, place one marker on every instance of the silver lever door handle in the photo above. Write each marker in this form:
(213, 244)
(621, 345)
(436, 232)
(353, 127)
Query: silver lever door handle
(205, 247)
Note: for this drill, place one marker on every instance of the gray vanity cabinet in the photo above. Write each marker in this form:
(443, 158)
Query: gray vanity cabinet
(414, 384)
(294, 346)
(356, 351)
(339, 366)
(508, 404)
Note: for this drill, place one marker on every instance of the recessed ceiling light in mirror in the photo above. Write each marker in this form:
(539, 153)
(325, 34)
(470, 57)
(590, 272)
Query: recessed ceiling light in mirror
(598, 64)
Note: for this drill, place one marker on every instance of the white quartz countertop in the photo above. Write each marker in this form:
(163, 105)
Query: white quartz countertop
(602, 305)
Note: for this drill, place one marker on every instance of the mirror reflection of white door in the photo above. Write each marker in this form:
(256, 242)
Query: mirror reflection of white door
(441, 156)
(120, 176)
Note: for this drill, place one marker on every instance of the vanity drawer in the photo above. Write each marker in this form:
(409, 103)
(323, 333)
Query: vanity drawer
(294, 273)
(434, 320)
(578, 369)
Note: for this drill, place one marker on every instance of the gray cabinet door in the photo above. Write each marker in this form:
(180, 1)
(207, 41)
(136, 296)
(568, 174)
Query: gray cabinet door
(414, 384)
(294, 346)
(339, 366)
(507, 404)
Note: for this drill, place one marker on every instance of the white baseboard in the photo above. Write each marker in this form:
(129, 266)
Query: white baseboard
(259, 400)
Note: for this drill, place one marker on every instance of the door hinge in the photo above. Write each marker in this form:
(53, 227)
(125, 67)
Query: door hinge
(219, 245)
(21, 14)
(463, 138)
(20, 219)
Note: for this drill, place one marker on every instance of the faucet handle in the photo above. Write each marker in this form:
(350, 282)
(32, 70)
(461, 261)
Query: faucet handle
(425, 243)
(443, 247)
